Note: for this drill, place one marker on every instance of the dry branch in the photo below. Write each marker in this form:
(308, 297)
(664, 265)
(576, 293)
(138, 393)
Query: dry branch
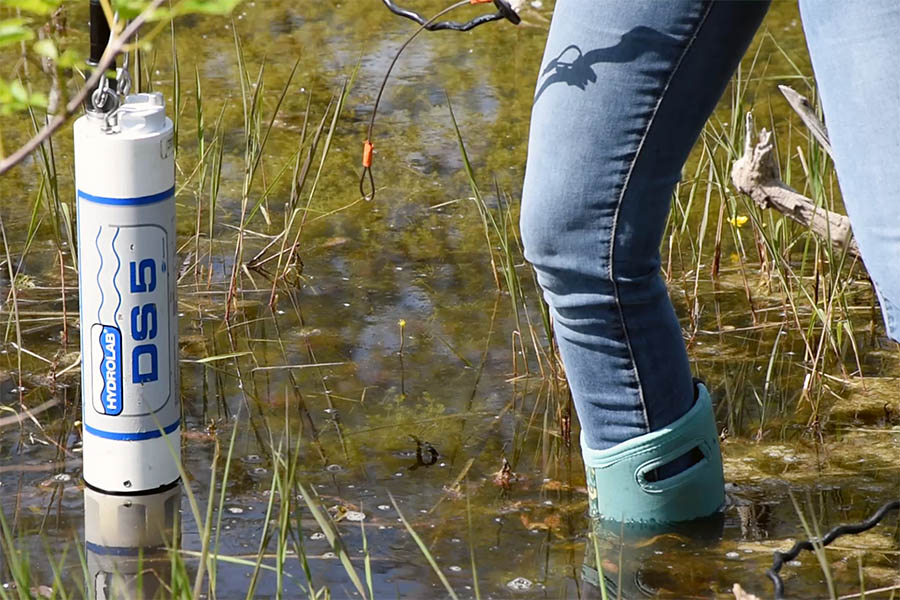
(809, 117)
(756, 175)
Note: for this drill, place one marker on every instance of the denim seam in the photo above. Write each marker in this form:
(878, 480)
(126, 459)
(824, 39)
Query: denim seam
(615, 224)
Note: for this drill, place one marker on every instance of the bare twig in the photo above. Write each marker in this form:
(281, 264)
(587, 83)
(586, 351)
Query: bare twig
(113, 49)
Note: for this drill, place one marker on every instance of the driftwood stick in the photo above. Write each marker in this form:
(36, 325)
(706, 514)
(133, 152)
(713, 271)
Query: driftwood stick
(756, 175)
(809, 117)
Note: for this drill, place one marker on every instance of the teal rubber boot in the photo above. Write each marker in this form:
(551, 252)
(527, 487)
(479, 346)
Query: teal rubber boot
(624, 485)
(634, 562)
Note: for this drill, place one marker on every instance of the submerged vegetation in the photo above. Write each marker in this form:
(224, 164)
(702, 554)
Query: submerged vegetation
(373, 403)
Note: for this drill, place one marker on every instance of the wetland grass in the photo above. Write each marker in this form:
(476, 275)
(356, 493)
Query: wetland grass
(785, 271)
(788, 318)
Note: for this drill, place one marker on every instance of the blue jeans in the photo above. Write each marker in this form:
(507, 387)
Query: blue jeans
(624, 91)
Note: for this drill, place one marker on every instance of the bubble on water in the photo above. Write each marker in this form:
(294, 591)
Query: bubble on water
(398, 474)
(252, 459)
(733, 556)
(456, 541)
(317, 536)
(794, 563)
(329, 555)
(62, 478)
(235, 510)
(354, 516)
(455, 568)
(260, 471)
(334, 468)
(384, 507)
(520, 584)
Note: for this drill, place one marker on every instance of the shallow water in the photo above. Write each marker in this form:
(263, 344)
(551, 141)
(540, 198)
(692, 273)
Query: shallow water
(417, 254)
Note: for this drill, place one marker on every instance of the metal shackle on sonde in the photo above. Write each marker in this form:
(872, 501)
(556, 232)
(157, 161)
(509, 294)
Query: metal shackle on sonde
(125, 182)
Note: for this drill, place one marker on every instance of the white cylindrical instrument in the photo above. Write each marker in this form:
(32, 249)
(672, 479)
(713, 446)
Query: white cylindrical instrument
(125, 180)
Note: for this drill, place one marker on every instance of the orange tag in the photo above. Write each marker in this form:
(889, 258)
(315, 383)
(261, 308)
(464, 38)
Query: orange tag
(368, 148)
(479, 1)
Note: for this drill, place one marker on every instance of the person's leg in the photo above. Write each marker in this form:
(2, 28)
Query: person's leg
(625, 89)
(855, 48)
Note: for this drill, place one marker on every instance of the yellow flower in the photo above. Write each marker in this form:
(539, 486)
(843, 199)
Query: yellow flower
(738, 221)
(402, 322)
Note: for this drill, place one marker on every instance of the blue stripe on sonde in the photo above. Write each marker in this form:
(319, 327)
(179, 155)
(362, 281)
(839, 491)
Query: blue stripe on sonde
(116, 550)
(131, 437)
(139, 201)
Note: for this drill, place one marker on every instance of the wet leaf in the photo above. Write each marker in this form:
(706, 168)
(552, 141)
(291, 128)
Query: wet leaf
(131, 8)
(46, 47)
(38, 7)
(13, 31)
(69, 58)
(207, 7)
(14, 98)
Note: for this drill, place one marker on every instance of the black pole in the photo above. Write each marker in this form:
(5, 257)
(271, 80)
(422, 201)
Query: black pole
(100, 34)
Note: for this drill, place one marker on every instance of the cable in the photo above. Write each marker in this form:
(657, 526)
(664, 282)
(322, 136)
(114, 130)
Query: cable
(780, 558)
(505, 11)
